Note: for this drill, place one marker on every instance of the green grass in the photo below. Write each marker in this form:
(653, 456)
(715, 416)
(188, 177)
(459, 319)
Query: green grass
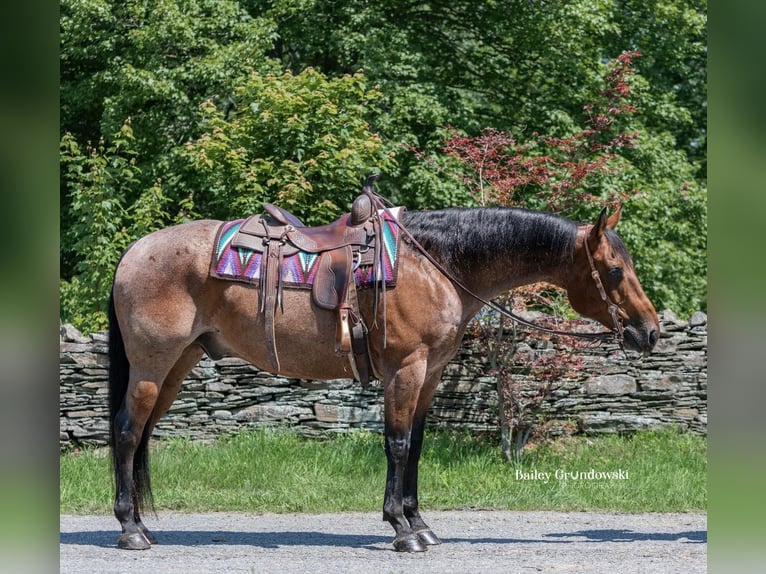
(277, 471)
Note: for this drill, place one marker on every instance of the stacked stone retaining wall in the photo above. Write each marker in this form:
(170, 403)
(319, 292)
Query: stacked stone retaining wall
(612, 394)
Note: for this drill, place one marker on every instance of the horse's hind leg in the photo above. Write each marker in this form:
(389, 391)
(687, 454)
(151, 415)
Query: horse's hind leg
(168, 394)
(131, 456)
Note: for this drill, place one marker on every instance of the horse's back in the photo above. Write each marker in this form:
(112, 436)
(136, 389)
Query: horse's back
(158, 260)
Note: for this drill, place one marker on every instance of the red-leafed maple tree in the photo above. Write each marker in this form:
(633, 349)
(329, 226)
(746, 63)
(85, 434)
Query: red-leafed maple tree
(551, 173)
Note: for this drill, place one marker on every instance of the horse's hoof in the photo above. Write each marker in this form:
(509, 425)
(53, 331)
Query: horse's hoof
(149, 536)
(133, 541)
(409, 543)
(428, 538)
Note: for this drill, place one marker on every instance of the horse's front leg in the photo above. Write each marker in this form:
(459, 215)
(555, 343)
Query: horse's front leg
(400, 402)
(410, 501)
(411, 512)
(397, 452)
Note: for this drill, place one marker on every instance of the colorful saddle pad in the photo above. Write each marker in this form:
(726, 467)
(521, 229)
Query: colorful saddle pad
(298, 270)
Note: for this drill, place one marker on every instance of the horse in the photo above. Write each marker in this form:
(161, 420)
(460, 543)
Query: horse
(166, 311)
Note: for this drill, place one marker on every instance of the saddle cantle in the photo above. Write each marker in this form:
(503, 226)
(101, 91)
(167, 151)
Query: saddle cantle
(275, 249)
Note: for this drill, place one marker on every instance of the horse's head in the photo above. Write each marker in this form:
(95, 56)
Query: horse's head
(598, 247)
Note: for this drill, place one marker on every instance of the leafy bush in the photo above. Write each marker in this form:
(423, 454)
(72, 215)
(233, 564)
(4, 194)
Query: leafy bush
(300, 140)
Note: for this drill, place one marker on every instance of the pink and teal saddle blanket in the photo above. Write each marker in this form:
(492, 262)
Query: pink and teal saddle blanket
(298, 270)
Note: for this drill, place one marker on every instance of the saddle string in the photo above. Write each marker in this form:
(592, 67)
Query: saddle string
(616, 334)
(263, 282)
(378, 265)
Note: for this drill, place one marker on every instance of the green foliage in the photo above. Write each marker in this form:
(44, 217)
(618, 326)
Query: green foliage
(153, 62)
(96, 212)
(180, 69)
(101, 226)
(665, 225)
(299, 140)
(426, 186)
(613, 158)
(672, 35)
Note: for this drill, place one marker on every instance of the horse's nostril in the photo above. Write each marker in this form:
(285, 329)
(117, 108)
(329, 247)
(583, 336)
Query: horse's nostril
(653, 336)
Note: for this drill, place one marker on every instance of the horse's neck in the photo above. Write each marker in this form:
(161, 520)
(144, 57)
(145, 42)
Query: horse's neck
(493, 250)
(504, 276)
(525, 273)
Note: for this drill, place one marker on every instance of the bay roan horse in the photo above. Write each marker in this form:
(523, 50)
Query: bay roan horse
(165, 309)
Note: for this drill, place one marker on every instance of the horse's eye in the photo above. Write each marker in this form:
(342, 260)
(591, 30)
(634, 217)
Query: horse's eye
(615, 273)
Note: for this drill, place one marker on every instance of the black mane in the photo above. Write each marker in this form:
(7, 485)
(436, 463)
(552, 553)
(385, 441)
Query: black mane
(464, 238)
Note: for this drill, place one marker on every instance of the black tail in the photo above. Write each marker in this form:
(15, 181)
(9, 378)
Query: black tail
(119, 371)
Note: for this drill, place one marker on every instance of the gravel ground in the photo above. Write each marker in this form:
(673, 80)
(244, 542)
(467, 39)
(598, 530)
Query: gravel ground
(485, 542)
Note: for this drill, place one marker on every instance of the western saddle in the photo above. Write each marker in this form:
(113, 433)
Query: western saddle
(354, 239)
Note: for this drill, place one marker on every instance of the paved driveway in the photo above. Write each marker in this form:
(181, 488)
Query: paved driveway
(484, 542)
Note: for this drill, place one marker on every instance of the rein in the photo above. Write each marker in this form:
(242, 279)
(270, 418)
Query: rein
(615, 335)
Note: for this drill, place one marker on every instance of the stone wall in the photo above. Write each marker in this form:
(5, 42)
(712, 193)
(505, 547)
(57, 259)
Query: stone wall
(613, 394)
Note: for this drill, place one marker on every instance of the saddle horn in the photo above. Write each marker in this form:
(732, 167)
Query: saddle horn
(367, 187)
(363, 209)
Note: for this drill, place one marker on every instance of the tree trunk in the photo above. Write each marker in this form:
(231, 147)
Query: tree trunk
(506, 429)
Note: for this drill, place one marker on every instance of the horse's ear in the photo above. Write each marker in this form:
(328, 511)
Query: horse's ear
(598, 228)
(614, 219)
(604, 222)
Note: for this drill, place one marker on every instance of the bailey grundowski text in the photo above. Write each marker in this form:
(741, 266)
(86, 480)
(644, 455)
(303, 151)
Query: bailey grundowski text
(560, 474)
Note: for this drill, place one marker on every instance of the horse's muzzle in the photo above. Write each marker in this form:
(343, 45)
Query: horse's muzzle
(641, 338)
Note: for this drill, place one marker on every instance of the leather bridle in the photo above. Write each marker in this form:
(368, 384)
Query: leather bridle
(613, 308)
(616, 335)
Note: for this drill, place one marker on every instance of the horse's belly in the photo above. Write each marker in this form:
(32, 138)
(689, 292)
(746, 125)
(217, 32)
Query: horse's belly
(304, 335)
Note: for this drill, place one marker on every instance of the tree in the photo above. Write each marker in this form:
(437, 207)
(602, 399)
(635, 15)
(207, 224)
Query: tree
(672, 36)
(512, 353)
(523, 66)
(173, 68)
(613, 159)
(150, 63)
(153, 62)
(573, 174)
(101, 225)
